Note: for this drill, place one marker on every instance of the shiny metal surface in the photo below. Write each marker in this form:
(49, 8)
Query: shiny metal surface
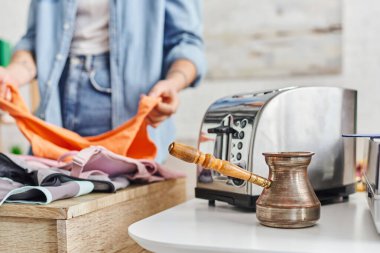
(290, 202)
(372, 179)
(372, 171)
(290, 119)
(238, 114)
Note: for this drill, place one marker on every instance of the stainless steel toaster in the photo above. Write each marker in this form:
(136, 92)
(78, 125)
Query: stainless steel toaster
(241, 127)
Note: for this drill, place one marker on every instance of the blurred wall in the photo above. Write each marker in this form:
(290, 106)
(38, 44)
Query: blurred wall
(13, 16)
(359, 67)
(273, 38)
(360, 71)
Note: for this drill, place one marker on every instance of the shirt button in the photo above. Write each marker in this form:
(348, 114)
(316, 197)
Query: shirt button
(66, 26)
(59, 57)
(48, 83)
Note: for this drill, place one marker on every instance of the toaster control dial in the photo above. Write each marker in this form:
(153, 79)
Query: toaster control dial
(243, 123)
(239, 152)
(236, 181)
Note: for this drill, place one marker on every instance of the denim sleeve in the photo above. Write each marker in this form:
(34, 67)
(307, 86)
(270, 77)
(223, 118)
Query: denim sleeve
(27, 42)
(183, 35)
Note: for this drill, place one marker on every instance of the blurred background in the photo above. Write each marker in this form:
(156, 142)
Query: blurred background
(254, 45)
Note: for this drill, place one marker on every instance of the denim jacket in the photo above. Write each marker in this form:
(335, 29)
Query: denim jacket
(146, 37)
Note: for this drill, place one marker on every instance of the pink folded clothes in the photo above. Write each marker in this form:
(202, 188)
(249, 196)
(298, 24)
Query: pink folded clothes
(30, 179)
(20, 182)
(97, 160)
(42, 163)
(34, 171)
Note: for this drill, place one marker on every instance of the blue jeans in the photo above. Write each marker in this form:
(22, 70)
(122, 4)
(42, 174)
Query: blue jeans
(85, 93)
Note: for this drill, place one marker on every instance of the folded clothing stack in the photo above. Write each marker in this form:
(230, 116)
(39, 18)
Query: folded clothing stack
(30, 179)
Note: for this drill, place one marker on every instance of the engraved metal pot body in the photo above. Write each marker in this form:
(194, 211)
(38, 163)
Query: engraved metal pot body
(290, 202)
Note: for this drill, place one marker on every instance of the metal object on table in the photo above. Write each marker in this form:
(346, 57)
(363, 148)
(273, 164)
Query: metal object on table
(290, 202)
(371, 174)
(241, 127)
(372, 178)
(288, 199)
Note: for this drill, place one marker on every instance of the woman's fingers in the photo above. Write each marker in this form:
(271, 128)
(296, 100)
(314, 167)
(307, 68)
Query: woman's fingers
(168, 104)
(167, 108)
(4, 79)
(156, 121)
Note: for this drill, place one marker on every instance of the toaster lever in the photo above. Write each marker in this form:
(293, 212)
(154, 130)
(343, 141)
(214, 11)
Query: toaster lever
(221, 130)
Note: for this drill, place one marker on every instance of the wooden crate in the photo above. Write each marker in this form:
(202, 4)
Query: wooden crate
(95, 222)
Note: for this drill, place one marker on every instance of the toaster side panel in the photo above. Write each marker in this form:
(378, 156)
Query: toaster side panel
(310, 119)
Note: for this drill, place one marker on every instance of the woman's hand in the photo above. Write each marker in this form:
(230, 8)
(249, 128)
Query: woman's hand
(181, 73)
(168, 92)
(21, 70)
(5, 78)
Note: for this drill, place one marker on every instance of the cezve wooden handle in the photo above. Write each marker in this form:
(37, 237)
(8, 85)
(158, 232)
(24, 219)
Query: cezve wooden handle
(192, 155)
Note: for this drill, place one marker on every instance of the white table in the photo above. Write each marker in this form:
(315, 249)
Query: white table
(196, 227)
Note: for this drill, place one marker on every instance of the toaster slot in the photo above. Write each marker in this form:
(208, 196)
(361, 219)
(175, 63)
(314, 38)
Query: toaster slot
(232, 144)
(224, 134)
(218, 153)
(222, 147)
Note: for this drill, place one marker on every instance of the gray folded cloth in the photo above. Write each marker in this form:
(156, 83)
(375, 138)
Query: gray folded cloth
(29, 182)
(39, 174)
(11, 191)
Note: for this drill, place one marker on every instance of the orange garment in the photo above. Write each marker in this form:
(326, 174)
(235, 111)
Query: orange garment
(130, 139)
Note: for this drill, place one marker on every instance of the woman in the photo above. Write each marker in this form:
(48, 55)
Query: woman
(94, 59)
